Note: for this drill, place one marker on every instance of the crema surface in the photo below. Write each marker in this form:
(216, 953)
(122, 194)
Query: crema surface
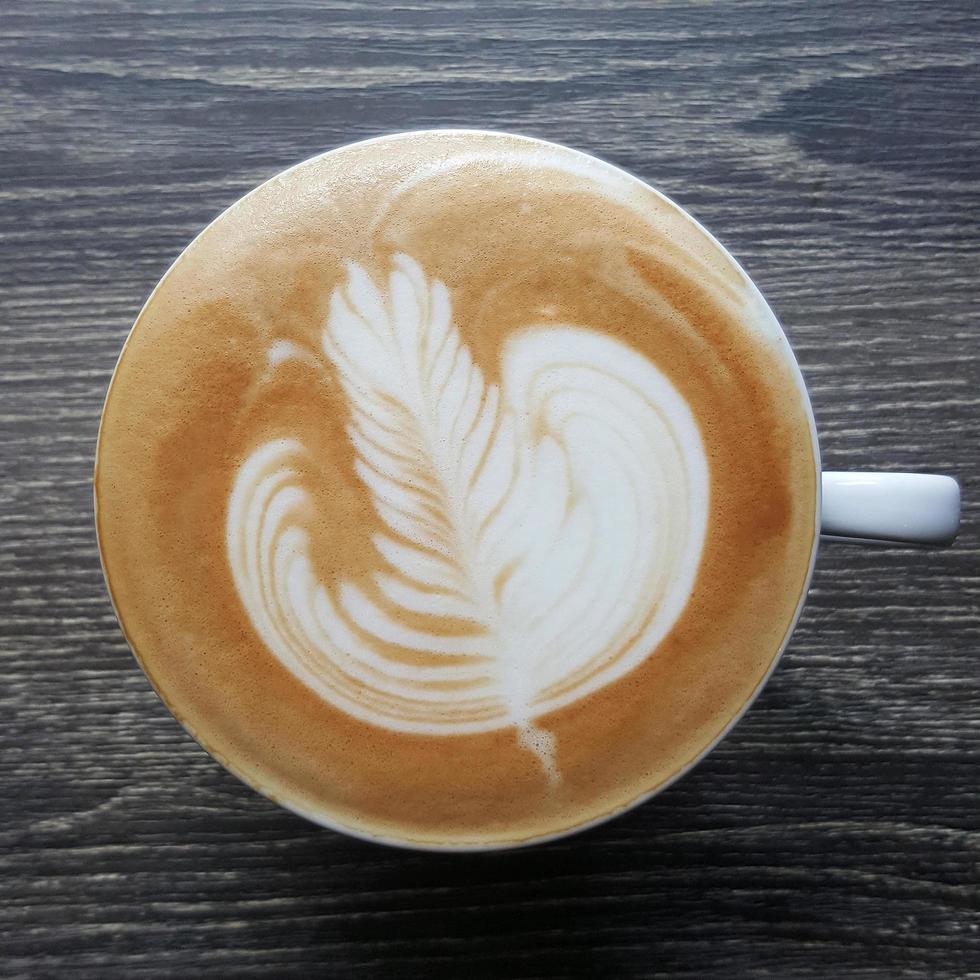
(456, 488)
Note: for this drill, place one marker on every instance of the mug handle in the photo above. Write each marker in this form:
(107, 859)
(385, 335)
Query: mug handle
(911, 508)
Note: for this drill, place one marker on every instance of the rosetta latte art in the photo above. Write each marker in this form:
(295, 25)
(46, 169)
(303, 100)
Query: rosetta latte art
(542, 535)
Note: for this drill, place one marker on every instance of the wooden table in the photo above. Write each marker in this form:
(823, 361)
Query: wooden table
(833, 147)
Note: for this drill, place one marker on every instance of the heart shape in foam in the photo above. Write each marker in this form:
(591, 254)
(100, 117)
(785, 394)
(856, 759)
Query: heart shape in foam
(543, 535)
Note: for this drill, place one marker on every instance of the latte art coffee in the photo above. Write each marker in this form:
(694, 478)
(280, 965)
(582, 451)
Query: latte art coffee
(456, 489)
(541, 535)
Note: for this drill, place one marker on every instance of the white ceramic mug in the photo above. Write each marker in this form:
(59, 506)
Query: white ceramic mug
(861, 506)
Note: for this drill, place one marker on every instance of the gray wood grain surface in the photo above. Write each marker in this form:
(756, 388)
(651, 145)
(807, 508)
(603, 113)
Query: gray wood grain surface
(833, 147)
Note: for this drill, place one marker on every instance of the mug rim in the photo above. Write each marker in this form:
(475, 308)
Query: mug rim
(473, 847)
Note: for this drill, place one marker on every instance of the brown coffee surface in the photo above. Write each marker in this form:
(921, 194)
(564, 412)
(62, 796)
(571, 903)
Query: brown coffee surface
(228, 357)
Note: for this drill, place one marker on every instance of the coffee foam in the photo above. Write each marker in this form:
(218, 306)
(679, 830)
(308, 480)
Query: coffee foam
(532, 627)
(547, 531)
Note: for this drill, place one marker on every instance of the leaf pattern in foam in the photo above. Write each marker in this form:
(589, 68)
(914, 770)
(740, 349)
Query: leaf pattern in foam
(439, 431)
(555, 522)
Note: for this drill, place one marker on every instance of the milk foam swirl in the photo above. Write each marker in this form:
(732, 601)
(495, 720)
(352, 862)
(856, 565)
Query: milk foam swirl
(543, 535)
